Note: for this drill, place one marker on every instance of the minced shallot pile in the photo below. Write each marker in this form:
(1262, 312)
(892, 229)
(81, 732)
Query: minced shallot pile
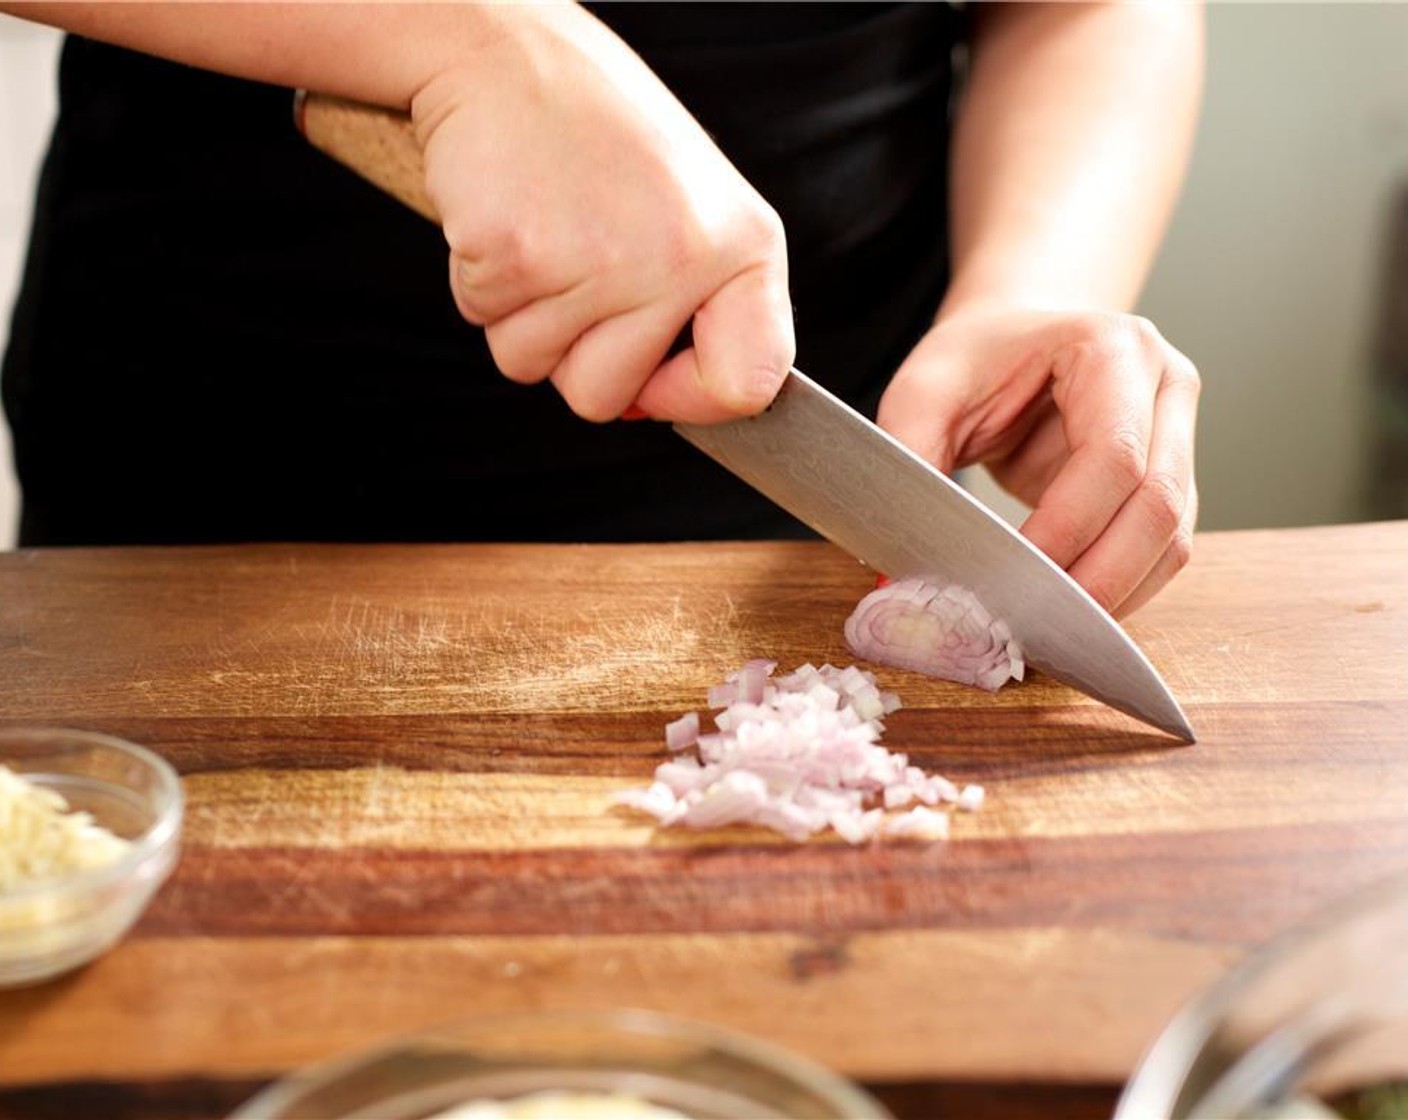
(798, 754)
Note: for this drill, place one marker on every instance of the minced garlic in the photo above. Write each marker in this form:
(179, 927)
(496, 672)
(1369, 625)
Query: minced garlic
(562, 1106)
(40, 839)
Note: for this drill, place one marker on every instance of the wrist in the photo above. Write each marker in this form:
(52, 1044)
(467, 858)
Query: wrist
(971, 295)
(531, 53)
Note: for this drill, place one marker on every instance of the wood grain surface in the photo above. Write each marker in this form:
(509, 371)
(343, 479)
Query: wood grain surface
(400, 763)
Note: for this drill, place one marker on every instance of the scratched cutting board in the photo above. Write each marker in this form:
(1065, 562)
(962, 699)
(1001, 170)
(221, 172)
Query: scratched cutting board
(400, 764)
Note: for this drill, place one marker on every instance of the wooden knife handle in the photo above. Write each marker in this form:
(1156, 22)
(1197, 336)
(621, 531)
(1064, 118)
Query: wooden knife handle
(378, 144)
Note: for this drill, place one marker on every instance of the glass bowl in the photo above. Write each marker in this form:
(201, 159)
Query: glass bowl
(700, 1071)
(1314, 1024)
(51, 927)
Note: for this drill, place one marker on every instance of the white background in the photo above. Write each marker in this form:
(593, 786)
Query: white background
(1268, 279)
(28, 56)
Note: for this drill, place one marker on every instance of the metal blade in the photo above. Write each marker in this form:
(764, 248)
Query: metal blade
(862, 489)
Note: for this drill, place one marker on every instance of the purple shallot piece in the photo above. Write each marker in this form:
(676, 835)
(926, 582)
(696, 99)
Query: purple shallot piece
(938, 631)
(797, 754)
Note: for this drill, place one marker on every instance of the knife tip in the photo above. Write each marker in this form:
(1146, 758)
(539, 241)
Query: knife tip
(1177, 725)
(1161, 711)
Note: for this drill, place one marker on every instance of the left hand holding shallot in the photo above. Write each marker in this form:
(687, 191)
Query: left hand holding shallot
(1086, 416)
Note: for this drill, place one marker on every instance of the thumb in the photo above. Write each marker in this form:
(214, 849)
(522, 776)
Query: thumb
(744, 343)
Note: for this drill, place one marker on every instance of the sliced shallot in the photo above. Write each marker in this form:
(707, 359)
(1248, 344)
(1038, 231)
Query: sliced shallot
(941, 632)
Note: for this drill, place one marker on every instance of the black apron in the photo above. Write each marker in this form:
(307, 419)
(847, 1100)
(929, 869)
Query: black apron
(222, 335)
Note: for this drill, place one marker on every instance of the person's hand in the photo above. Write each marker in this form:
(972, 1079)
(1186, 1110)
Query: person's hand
(590, 219)
(1087, 417)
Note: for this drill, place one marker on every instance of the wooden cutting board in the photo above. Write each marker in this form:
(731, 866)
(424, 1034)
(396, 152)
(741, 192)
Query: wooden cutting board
(400, 764)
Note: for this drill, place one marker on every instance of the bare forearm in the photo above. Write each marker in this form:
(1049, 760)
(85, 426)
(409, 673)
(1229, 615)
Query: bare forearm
(1071, 144)
(380, 53)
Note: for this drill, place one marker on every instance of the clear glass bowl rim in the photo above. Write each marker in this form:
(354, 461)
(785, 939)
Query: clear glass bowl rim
(1157, 1082)
(170, 805)
(853, 1102)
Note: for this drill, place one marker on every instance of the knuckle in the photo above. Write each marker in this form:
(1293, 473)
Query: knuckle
(465, 240)
(497, 262)
(593, 406)
(1144, 332)
(764, 230)
(590, 395)
(1163, 501)
(1103, 592)
(752, 234)
(1114, 333)
(1125, 457)
(471, 315)
(1096, 330)
(595, 415)
(752, 392)
(1066, 539)
(478, 279)
(1180, 549)
(468, 309)
(513, 361)
(1182, 373)
(513, 253)
(509, 253)
(462, 288)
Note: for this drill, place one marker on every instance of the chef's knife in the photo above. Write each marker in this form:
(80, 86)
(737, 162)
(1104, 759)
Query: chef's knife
(862, 489)
(853, 483)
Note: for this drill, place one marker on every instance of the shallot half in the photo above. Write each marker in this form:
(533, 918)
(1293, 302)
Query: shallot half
(939, 631)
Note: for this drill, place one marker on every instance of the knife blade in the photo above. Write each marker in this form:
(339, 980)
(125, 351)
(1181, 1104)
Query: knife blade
(854, 484)
(863, 490)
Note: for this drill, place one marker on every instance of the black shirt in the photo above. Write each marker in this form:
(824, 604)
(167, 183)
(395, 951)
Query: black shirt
(222, 335)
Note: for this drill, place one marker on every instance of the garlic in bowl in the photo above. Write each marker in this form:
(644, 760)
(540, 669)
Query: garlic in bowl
(90, 827)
